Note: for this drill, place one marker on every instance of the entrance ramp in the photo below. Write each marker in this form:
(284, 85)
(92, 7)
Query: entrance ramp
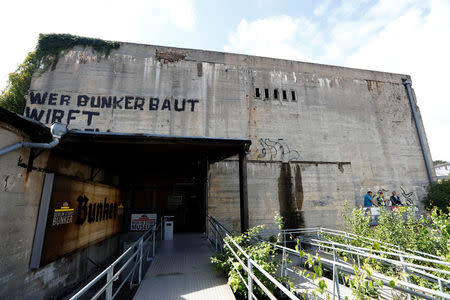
(182, 269)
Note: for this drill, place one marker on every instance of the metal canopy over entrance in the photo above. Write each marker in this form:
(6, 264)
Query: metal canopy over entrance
(162, 174)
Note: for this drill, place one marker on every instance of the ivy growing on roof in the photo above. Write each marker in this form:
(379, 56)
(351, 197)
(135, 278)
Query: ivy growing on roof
(46, 55)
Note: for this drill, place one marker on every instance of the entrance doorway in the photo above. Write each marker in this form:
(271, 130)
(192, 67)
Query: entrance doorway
(169, 190)
(163, 175)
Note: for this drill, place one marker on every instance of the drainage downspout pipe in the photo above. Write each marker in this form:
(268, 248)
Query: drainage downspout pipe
(407, 84)
(57, 130)
(29, 145)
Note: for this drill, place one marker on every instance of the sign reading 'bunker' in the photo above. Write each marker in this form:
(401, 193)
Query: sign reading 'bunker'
(84, 110)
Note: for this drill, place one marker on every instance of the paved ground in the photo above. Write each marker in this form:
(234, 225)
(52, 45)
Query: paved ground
(182, 270)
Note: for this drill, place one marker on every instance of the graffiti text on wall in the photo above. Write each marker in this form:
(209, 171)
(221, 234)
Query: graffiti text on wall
(276, 149)
(63, 108)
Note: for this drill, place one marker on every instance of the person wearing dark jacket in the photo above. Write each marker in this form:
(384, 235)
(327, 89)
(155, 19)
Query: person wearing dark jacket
(395, 200)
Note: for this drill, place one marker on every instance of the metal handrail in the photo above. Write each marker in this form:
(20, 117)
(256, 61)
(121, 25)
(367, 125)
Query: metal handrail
(339, 265)
(248, 268)
(348, 269)
(136, 250)
(349, 235)
(334, 246)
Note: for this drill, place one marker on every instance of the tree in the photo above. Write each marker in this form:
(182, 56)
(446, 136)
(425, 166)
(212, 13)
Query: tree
(13, 97)
(46, 54)
(439, 196)
(438, 162)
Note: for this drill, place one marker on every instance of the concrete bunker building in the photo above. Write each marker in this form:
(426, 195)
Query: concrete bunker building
(192, 133)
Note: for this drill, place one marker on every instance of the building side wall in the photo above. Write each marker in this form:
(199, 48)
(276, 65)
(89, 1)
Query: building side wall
(304, 194)
(340, 116)
(19, 207)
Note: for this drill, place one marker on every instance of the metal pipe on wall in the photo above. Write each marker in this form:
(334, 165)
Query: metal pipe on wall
(57, 131)
(407, 84)
(29, 145)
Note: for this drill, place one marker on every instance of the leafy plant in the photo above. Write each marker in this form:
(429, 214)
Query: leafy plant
(262, 253)
(46, 54)
(438, 196)
(405, 231)
(362, 284)
(316, 276)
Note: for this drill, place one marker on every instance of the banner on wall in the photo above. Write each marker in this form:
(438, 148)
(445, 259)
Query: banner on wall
(74, 215)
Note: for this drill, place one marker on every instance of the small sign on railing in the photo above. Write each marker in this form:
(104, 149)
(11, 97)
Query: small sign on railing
(142, 222)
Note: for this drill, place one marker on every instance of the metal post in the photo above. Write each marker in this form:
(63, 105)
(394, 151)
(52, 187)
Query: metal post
(441, 287)
(140, 259)
(405, 269)
(109, 278)
(335, 277)
(162, 229)
(243, 194)
(215, 235)
(249, 279)
(154, 241)
(283, 263)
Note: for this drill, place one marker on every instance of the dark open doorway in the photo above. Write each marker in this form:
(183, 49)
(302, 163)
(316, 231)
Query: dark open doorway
(166, 175)
(169, 190)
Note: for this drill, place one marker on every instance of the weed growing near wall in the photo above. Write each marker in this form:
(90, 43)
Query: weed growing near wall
(263, 253)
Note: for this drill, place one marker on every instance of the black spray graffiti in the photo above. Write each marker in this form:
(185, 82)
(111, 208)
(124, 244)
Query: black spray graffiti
(273, 149)
(90, 107)
(407, 196)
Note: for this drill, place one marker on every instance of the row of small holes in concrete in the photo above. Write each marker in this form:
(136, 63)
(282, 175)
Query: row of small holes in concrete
(276, 94)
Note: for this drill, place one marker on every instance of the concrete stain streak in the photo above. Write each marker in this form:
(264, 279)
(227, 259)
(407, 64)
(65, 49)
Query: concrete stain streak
(299, 196)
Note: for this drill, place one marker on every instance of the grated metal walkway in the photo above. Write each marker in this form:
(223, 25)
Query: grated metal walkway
(182, 270)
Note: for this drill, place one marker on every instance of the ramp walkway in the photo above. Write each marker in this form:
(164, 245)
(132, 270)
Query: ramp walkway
(182, 269)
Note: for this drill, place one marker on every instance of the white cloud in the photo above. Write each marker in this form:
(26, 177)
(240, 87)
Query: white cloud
(179, 12)
(274, 37)
(408, 36)
(321, 8)
(21, 22)
(418, 44)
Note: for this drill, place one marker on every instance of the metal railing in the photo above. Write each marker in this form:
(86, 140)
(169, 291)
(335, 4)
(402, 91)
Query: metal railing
(216, 235)
(320, 231)
(128, 263)
(315, 240)
(331, 255)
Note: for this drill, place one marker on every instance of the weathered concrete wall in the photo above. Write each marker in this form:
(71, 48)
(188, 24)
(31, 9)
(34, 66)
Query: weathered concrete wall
(355, 119)
(19, 206)
(304, 194)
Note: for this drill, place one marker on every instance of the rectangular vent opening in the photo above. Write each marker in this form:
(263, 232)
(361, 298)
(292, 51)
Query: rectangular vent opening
(275, 94)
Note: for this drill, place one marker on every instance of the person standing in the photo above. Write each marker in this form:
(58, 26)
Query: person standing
(368, 201)
(395, 200)
(379, 198)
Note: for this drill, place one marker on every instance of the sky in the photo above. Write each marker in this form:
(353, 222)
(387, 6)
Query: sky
(403, 36)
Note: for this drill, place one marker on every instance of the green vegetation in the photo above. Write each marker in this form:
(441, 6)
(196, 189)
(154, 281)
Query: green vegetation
(46, 55)
(438, 162)
(425, 234)
(439, 196)
(263, 253)
(402, 231)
